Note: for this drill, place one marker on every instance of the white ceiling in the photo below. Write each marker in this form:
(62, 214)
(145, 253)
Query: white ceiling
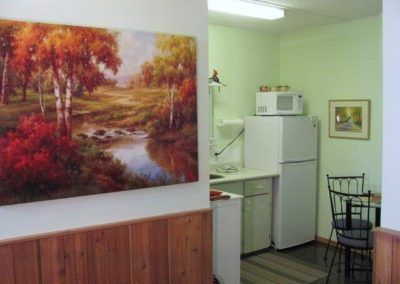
(300, 14)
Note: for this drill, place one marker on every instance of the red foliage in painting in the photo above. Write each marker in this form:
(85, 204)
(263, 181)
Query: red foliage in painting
(188, 90)
(187, 95)
(33, 158)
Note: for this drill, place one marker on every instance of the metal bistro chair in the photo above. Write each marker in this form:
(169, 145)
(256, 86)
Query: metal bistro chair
(354, 208)
(346, 184)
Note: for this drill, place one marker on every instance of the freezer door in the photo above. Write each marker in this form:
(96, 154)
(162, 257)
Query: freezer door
(294, 200)
(297, 138)
(261, 143)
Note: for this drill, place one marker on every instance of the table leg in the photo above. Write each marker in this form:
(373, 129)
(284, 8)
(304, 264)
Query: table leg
(377, 217)
(347, 256)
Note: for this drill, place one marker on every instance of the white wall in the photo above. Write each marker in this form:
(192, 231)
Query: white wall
(391, 115)
(172, 16)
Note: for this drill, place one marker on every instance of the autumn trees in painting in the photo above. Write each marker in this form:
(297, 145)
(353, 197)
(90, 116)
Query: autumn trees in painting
(75, 54)
(89, 110)
(175, 63)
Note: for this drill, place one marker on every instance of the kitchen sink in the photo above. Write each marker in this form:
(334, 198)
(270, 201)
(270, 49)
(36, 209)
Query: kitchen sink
(214, 176)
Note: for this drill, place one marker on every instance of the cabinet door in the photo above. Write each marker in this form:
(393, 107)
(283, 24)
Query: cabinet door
(231, 187)
(257, 222)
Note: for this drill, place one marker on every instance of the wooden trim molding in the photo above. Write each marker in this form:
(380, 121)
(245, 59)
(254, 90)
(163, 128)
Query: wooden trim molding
(101, 226)
(386, 256)
(174, 248)
(324, 240)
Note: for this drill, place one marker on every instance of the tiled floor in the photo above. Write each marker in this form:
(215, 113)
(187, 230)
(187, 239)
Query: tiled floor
(314, 253)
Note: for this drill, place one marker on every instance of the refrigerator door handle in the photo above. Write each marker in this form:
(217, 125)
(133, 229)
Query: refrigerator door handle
(289, 161)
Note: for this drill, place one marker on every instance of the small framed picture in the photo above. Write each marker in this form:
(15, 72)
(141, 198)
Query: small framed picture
(349, 119)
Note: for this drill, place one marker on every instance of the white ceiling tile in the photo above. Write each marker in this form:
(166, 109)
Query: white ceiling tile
(340, 9)
(300, 14)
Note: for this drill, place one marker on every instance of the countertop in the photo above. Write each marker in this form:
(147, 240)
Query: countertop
(242, 174)
(217, 203)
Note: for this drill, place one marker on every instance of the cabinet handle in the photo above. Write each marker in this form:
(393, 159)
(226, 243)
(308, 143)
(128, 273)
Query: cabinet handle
(248, 205)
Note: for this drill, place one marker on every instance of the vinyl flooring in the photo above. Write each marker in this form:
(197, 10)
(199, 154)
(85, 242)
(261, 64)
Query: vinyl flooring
(313, 254)
(277, 267)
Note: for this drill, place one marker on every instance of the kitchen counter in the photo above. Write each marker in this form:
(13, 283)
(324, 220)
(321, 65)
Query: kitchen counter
(242, 174)
(222, 201)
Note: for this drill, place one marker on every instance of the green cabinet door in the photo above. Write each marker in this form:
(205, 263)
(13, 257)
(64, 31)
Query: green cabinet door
(256, 222)
(256, 211)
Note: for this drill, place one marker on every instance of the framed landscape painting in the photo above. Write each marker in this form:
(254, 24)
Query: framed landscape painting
(349, 119)
(88, 110)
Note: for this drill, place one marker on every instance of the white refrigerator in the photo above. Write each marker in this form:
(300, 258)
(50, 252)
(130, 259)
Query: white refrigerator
(287, 145)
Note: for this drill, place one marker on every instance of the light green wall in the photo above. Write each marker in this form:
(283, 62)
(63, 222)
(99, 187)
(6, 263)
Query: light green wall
(341, 61)
(245, 60)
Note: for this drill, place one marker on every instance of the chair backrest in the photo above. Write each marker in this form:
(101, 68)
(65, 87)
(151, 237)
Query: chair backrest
(347, 184)
(349, 210)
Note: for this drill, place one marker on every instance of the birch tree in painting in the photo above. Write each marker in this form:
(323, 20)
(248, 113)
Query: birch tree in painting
(175, 62)
(7, 30)
(76, 54)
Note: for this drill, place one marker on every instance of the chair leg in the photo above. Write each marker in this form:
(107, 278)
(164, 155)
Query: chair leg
(370, 260)
(340, 259)
(363, 258)
(330, 267)
(354, 261)
(329, 242)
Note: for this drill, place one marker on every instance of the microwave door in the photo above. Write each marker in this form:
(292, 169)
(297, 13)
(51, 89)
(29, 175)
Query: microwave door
(284, 103)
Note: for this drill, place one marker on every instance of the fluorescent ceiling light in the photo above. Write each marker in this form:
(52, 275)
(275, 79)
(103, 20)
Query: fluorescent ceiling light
(248, 8)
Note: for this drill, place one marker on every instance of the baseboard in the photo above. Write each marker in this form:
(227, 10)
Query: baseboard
(324, 240)
(245, 255)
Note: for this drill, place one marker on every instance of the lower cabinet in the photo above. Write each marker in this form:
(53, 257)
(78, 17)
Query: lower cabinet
(256, 211)
(256, 222)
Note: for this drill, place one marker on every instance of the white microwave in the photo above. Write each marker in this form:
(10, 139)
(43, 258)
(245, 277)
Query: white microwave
(279, 103)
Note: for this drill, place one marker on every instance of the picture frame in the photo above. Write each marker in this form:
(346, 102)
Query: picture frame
(349, 119)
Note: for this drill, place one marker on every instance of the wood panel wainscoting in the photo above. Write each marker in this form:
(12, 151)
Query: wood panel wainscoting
(175, 248)
(386, 256)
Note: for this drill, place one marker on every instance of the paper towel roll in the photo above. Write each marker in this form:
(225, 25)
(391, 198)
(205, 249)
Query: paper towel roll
(229, 122)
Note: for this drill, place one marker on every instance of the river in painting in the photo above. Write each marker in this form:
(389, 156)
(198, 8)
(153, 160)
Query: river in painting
(133, 154)
(143, 156)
